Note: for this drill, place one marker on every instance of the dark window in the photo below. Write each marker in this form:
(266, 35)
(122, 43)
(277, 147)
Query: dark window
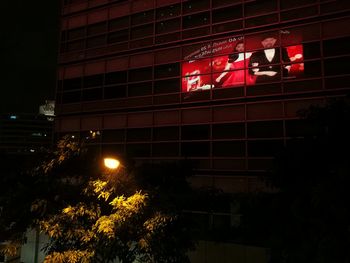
(71, 84)
(262, 20)
(196, 20)
(295, 3)
(141, 18)
(137, 135)
(76, 45)
(218, 3)
(300, 128)
(266, 148)
(311, 50)
(168, 38)
(228, 131)
(336, 47)
(299, 13)
(226, 14)
(166, 133)
(76, 33)
(112, 150)
(168, 70)
(228, 26)
(195, 149)
(140, 89)
(93, 80)
(166, 86)
(96, 29)
(195, 5)
(115, 92)
(312, 68)
(140, 74)
(96, 41)
(168, 11)
(197, 32)
(268, 129)
(260, 7)
(336, 66)
(195, 132)
(165, 149)
(113, 136)
(337, 83)
(138, 150)
(116, 77)
(92, 94)
(142, 31)
(117, 24)
(168, 26)
(230, 148)
(70, 97)
(119, 36)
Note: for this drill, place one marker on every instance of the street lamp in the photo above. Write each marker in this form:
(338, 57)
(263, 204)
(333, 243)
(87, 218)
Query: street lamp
(111, 163)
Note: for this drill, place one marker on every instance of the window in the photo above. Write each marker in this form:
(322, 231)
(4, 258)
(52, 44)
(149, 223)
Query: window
(168, 26)
(93, 81)
(228, 131)
(168, 11)
(336, 47)
(76, 33)
(266, 148)
(117, 24)
(227, 14)
(113, 136)
(195, 149)
(138, 150)
(268, 129)
(262, 20)
(167, 86)
(71, 84)
(92, 94)
(116, 77)
(142, 31)
(115, 92)
(96, 29)
(140, 89)
(165, 149)
(229, 148)
(196, 20)
(195, 132)
(295, 3)
(195, 5)
(299, 13)
(312, 68)
(134, 135)
(140, 74)
(96, 41)
(168, 70)
(311, 50)
(118, 36)
(142, 18)
(166, 133)
(76, 45)
(298, 128)
(260, 7)
(336, 66)
(70, 97)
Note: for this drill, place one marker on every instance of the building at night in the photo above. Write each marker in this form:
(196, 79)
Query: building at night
(217, 82)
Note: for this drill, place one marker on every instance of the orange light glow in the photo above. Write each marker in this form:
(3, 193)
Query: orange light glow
(111, 163)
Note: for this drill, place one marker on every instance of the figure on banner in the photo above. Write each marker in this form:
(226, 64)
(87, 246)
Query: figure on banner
(235, 73)
(266, 64)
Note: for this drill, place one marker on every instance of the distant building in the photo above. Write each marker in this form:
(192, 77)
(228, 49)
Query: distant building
(25, 133)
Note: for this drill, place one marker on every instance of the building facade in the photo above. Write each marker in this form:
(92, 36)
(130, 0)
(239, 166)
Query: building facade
(218, 82)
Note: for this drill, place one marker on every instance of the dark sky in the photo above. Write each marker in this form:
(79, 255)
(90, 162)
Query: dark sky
(29, 43)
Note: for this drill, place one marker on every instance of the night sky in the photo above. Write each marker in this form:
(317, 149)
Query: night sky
(29, 43)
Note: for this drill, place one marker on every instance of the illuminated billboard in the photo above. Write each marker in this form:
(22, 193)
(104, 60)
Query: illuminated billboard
(237, 61)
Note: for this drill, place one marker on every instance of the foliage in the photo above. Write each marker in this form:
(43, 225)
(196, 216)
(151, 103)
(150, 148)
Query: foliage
(308, 219)
(97, 217)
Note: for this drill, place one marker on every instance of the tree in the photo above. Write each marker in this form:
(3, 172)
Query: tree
(94, 216)
(313, 176)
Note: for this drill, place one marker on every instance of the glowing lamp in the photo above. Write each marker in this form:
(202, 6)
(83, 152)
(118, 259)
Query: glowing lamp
(111, 163)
